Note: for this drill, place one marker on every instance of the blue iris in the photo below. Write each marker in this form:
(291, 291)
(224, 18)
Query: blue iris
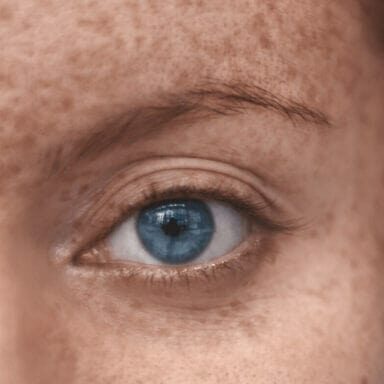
(175, 231)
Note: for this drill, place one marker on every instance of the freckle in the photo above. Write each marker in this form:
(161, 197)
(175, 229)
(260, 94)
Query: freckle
(223, 313)
(163, 332)
(45, 3)
(44, 83)
(119, 42)
(228, 45)
(352, 262)
(364, 380)
(184, 3)
(328, 14)
(139, 40)
(11, 171)
(248, 327)
(237, 32)
(26, 25)
(318, 331)
(235, 303)
(136, 20)
(291, 74)
(329, 217)
(196, 41)
(238, 305)
(216, 321)
(100, 24)
(6, 81)
(158, 44)
(180, 80)
(6, 13)
(27, 141)
(67, 103)
(65, 196)
(154, 6)
(84, 188)
(73, 57)
(265, 42)
(136, 305)
(313, 233)
(302, 33)
(111, 205)
(82, 80)
(258, 21)
(5, 115)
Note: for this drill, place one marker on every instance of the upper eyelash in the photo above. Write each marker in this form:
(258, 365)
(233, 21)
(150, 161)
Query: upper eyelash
(255, 211)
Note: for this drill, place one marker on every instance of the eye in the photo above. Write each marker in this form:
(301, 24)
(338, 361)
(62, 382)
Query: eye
(171, 227)
(179, 231)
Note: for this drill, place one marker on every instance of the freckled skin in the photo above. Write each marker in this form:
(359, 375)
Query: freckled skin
(314, 314)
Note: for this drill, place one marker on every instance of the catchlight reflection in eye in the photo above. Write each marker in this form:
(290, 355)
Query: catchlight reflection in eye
(179, 231)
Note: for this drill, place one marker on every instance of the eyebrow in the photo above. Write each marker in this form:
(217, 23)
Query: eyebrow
(196, 104)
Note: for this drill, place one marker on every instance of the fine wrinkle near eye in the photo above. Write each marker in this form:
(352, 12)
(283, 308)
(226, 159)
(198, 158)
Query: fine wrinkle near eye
(178, 231)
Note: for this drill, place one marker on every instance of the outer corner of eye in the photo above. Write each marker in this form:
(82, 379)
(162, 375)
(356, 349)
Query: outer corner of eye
(174, 232)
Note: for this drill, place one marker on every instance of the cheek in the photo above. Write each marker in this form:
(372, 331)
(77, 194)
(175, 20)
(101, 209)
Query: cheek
(318, 302)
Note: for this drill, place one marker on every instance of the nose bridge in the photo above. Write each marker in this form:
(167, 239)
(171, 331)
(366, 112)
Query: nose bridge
(35, 343)
(22, 328)
(10, 312)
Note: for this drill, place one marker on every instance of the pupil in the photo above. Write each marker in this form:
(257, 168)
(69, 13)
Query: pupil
(173, 228)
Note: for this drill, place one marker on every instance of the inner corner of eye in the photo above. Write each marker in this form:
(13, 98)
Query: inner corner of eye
(178, 231)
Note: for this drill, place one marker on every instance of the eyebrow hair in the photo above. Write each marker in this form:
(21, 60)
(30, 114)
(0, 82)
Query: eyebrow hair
(199, 103)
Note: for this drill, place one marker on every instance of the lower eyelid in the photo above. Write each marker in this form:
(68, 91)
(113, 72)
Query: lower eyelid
(196, 284)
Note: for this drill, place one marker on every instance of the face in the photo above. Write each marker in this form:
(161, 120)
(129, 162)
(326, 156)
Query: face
(190, 192)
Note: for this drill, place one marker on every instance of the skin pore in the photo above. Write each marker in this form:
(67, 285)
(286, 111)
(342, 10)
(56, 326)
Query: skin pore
(104, 104)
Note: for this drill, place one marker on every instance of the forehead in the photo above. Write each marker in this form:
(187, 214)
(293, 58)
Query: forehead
(170, 41)
(67, 63)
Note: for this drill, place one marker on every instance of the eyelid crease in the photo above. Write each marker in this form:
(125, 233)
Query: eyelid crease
(156, 164)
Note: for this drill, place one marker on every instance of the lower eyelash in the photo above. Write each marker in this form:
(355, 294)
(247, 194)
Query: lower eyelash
(164, 284)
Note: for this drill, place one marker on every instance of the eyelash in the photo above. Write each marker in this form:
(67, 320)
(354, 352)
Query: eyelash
(167, 185)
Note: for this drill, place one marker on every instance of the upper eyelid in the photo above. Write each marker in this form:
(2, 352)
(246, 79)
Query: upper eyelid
(155, 164)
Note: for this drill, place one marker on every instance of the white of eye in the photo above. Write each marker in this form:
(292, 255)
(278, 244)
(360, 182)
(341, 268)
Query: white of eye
(231, 228)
